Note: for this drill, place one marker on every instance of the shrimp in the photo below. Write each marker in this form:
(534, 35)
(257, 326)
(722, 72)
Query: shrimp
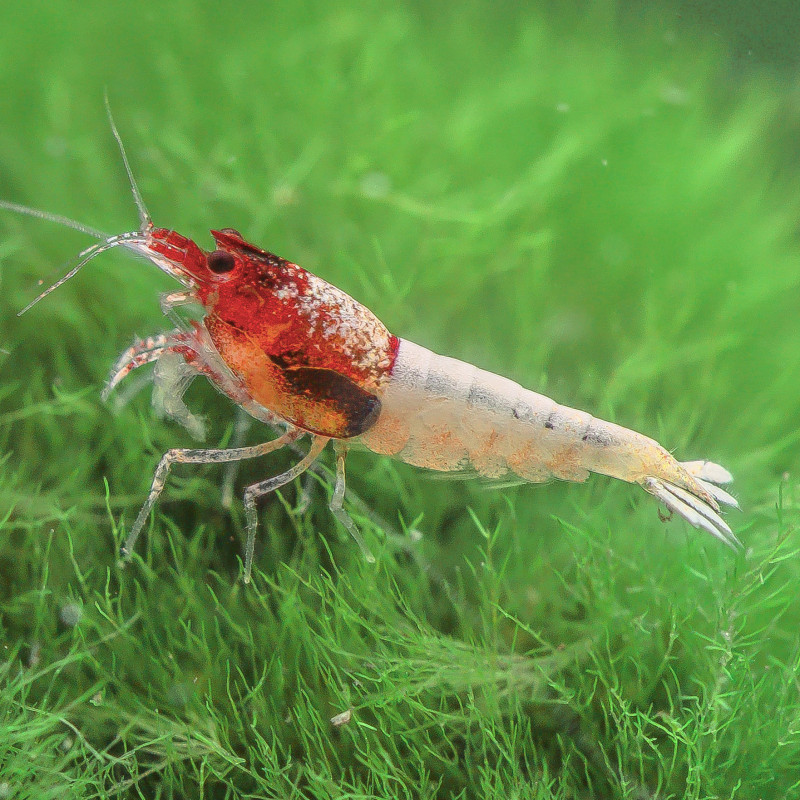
(301, 355)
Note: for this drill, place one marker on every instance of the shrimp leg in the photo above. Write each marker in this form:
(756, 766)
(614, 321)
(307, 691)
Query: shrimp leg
(141, 352)
(205, 456)
(240, 428)
(180, 356)
(177, 365)
(256, 490)
(336, 504)
(186, 344)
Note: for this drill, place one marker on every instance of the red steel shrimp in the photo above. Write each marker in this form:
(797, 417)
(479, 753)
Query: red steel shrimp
(299, 354)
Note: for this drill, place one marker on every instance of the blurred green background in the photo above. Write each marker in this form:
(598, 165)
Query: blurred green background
(598, 200)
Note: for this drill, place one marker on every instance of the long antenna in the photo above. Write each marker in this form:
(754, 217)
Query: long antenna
(144, 217)
(57, 218)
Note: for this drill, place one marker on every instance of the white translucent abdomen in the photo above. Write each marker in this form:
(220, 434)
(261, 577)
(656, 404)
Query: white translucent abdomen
(447, 415)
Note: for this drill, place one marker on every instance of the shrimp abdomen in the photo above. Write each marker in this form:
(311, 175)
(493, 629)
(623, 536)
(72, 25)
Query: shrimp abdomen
(443, 414)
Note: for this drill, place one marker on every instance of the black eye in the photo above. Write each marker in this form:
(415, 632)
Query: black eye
(220, 262)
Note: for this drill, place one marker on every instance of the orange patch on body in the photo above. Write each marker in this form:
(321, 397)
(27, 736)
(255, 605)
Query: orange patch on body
(485, 456)
(389, 435)
(526, 461)
(566, 464)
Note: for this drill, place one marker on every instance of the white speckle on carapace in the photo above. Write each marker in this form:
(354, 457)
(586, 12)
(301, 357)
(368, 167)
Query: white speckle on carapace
(361, 335)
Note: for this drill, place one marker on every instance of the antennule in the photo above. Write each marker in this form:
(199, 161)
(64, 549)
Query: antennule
(84, 257)
(145, 223)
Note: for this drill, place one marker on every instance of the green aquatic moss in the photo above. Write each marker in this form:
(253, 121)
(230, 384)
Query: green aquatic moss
(595, 201)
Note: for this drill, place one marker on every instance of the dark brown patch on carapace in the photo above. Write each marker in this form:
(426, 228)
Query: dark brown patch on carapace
(327, 395)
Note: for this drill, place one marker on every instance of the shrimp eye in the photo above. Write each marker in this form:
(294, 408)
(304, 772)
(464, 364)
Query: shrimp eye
(232, 232)
(220, 262)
